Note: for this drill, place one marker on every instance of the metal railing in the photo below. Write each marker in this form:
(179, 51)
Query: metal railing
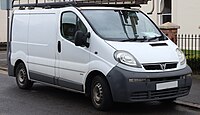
(190, 45)
(63, 3)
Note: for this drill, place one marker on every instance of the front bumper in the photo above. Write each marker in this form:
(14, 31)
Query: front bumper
(137, 91)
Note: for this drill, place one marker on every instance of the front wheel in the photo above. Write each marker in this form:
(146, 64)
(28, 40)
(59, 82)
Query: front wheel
(100, 93)
(22, 77)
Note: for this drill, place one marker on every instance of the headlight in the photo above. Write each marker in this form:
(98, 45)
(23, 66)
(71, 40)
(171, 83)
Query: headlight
(126, 58)
(181, 56)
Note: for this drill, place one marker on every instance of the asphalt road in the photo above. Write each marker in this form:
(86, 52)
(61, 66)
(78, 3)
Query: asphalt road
(3, 59)
(47, 100)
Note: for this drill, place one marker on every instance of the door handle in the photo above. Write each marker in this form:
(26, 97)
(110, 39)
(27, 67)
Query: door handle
(59, 46)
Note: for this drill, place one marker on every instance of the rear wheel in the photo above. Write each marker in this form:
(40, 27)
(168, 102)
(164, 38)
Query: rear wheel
(100, 93)
(22, 77)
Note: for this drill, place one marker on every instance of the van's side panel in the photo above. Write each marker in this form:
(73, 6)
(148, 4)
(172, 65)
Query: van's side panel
(20, 35)
(42, 46)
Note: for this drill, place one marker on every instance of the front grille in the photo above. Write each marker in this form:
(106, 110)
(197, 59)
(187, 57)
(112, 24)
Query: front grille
(165, 79)
(171, 65)
(160, 93)
(160, 66)
(169, 92)
(152, 67)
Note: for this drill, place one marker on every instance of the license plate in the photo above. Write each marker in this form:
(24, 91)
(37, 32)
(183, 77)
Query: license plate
(166, 85)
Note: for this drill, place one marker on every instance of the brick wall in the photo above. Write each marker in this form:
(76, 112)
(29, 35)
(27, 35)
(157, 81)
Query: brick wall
(171, 33)
(170, 30)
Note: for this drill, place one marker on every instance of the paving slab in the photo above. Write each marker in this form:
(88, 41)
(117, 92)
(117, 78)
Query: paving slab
(194, 95)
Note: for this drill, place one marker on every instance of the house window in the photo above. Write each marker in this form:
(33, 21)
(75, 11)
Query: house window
(166, 15)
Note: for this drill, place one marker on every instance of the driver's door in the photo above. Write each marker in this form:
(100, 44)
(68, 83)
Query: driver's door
(72, 61)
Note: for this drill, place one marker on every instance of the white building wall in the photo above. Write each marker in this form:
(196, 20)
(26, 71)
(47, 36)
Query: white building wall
(185, 13)
(3, 26)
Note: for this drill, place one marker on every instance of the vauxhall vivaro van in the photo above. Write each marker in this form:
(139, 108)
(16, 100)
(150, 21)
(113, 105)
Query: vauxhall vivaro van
(111, 54)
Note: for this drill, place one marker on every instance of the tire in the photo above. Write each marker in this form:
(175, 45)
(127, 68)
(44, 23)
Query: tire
(22, 77)
(100, 93)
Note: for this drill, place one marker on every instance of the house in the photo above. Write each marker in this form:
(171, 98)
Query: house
(184, 13)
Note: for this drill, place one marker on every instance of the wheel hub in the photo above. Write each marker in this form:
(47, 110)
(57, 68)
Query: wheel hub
(21, 75)
(97, 94)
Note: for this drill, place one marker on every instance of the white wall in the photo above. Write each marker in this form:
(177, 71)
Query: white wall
(186, 13)
(3, 26)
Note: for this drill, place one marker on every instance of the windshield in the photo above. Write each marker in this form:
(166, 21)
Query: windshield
(119, 25)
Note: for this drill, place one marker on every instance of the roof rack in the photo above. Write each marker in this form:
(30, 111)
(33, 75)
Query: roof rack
(76, 3)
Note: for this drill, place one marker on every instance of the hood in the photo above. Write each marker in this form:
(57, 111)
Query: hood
(149, 52)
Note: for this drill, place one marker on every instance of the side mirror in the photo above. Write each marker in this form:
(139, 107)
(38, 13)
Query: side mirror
(81, 38)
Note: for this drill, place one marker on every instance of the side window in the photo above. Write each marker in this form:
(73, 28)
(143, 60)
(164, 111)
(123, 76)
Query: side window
(70, 24)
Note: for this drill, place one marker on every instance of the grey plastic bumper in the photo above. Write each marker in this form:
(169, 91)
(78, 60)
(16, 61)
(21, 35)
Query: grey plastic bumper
(125, 91)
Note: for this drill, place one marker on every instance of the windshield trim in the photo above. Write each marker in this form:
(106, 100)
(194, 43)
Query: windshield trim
(115, 39)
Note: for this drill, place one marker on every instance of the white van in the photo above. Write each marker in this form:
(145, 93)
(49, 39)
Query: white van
(110, 54)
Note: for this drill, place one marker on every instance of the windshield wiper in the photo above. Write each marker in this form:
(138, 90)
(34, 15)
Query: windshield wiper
(129, 40)
(135, 39)
(142, 39)
(154, 38)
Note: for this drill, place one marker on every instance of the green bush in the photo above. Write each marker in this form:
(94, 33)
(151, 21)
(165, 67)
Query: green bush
(194, 63)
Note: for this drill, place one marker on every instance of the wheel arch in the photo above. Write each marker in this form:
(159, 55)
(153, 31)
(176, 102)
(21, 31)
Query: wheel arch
(16, 64)
(89, 79)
